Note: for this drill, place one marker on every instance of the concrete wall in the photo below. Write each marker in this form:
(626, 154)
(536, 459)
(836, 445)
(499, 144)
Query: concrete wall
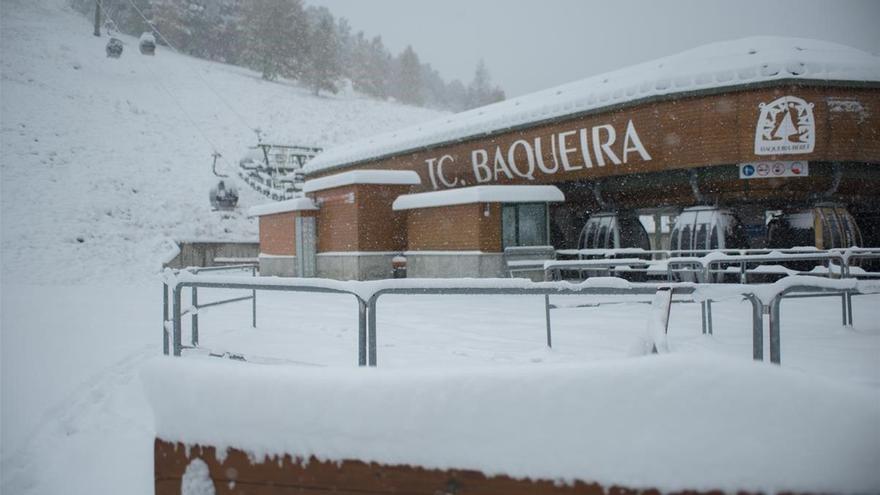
(452, 264)
(204, 253)
(361, 266)
(277, 266)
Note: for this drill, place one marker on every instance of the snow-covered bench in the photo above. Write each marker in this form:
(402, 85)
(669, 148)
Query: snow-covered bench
(528, 259)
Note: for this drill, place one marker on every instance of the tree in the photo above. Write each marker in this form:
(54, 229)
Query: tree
(181, 22)
(408, 83)
(456, 96)
(282, 38)
(275, 37)
(480, 91)
(378, 69)
(322, 70)
(223, 39)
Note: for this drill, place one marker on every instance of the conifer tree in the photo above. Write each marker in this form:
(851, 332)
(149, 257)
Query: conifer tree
(480, 91)
(408, 84)
(275, 36)
(322, 69)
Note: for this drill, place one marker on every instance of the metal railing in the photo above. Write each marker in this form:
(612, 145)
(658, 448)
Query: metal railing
(535, 288)
(195, 306)
(368, 294)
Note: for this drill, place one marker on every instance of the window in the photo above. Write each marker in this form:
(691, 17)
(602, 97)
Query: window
(524, 224)
(701, 237)
(834, 227)
(686, 238)
(602, 242)
(713, 240)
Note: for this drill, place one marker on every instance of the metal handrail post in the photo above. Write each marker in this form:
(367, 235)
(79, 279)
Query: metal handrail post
(549, 275)
(703, 316)
(709, 315)
(195, 317)
(849, 307)
(547, 316)
(254, 300)
(165, 342)
(757, 327)
(175, 310)
(371, 334)
(362, 333)
(775, 351)
(843, 307)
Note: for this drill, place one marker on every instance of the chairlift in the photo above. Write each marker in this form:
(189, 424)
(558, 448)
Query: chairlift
(825, 226)
(114, 48)
(276, 170)
(700, 229)
(614, 230)
(223, 197)
(147, 44)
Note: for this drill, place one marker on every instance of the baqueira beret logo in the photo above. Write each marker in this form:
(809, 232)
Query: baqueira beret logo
(785, 126)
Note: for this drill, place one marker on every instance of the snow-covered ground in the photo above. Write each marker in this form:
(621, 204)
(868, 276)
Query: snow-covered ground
(96, 149)
(105, 161)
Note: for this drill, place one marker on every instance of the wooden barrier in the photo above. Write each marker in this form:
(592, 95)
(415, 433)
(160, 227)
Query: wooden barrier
(237, 474)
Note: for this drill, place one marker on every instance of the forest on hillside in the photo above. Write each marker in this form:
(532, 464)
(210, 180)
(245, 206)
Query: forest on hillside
(287, 38)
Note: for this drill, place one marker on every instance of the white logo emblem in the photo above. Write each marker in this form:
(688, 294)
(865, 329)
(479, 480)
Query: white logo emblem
(785, 126)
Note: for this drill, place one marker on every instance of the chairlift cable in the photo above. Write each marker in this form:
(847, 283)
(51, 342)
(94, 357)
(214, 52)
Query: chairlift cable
(175, 100)
(228, 105)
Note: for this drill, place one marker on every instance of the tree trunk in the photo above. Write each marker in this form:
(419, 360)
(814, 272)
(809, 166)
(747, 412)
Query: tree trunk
(97, 18)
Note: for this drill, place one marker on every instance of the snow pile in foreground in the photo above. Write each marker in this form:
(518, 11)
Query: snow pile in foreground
(670, 422)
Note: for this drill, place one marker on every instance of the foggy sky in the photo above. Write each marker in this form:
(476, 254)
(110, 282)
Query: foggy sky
(532, 45)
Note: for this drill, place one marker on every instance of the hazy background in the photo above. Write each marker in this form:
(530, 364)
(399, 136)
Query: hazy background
(533, 45)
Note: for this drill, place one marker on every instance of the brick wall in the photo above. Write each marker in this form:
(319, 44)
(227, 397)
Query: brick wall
(360, 218)
(455, 228)
(278, 234)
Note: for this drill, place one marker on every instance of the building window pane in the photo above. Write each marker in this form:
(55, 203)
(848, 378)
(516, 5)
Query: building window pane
(532, 225)
(508, 225)
(524, 225)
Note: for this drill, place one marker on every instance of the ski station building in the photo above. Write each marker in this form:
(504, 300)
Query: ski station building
(758, 142)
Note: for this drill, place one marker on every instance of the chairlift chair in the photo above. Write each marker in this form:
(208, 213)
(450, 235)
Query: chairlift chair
(222, 196)
(114, 48)
(147, 44)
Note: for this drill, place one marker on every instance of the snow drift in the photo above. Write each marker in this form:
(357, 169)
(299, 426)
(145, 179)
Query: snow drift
(671, 422)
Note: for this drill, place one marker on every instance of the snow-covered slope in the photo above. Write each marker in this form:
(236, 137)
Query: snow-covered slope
(105, 161)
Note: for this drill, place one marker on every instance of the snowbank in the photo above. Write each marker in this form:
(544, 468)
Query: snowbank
(295, 204)
(479, 194)
(389, 177)
(716, 65)
(672, 422)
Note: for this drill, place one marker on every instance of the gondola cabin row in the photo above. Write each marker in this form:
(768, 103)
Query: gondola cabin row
(772, 143)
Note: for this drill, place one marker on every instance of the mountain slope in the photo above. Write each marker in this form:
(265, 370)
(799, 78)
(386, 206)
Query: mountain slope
(105, 161)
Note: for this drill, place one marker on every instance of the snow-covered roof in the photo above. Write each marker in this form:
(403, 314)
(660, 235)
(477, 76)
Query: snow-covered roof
(388, 177)
(295, 204)
(479, 194)
(716, 65)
